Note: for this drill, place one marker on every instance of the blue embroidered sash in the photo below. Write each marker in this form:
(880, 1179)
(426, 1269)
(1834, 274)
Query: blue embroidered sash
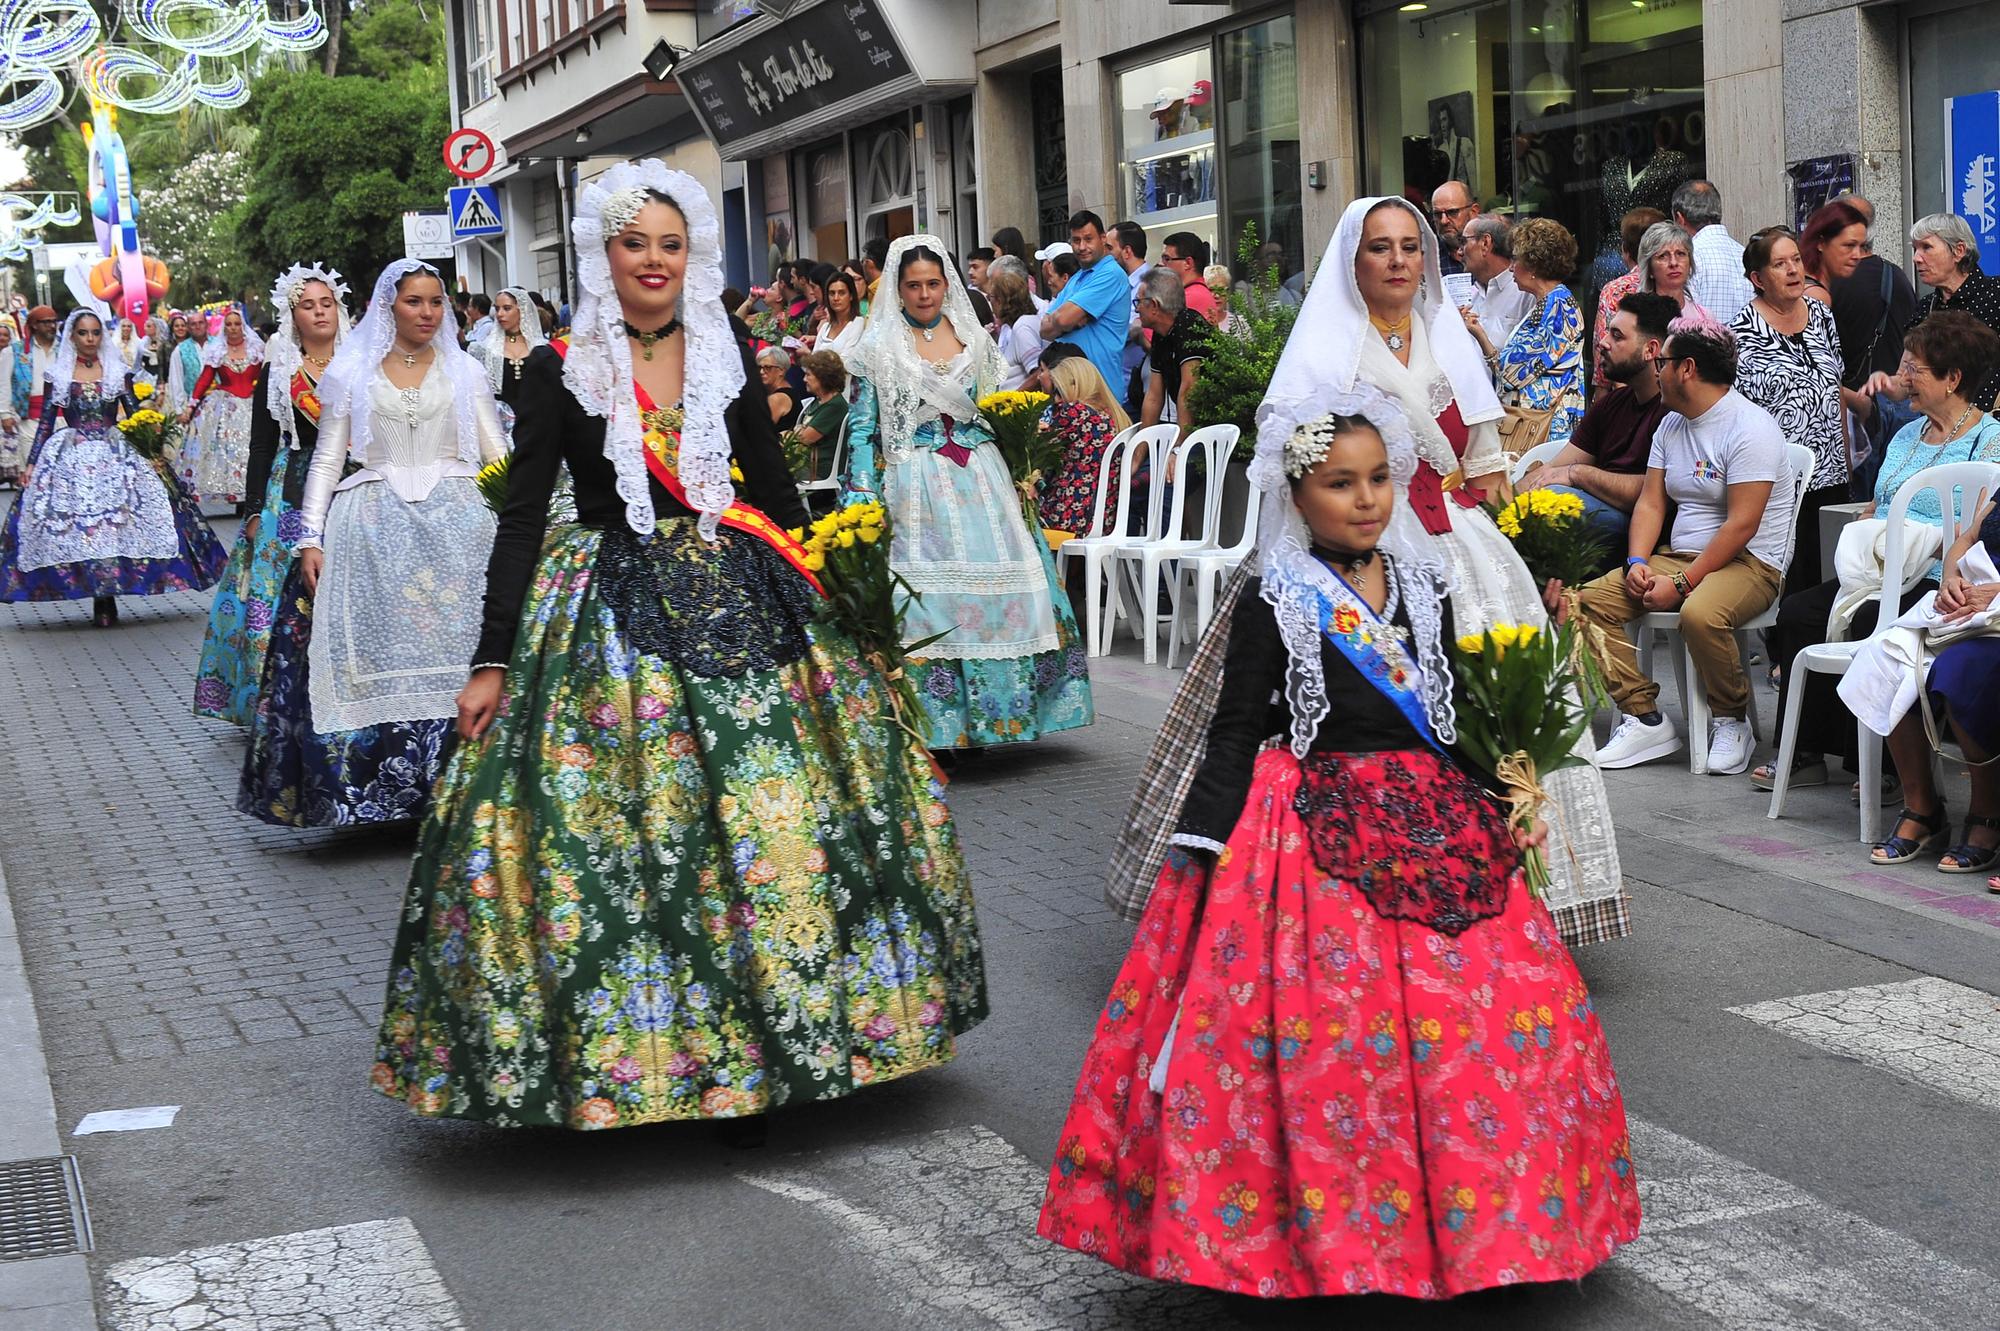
(1375, 648)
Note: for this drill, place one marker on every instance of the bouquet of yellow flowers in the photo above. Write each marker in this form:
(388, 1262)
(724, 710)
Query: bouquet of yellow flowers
(848, 550)
(1553, 537)
(1526, 695)
(141, 390)
(1015, 419)
(492, 483)
(150, 433)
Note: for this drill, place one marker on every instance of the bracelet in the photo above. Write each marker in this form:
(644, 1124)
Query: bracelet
(1635, 559)
(1682, 586)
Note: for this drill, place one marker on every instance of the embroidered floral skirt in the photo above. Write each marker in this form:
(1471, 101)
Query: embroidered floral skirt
(1351, 1102)
(296, 776)
(215, 453)
(196, 565)
(246, 605)
(694, 870)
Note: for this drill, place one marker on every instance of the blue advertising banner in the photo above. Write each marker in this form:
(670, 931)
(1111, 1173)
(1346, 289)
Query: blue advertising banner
(1972, 169)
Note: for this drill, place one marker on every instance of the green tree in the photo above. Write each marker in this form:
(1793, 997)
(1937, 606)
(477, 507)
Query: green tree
(336, 164)
(189, 220)
(1233, 380)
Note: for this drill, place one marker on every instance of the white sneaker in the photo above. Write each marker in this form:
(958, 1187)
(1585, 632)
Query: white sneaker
(1634, 742)
(1729, 746)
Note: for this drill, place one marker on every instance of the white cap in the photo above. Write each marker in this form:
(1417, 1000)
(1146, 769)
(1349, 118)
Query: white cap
(1165, 98)
(1048, 252)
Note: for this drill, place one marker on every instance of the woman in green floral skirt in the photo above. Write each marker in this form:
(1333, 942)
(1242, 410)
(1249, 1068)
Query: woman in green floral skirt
(686, 864)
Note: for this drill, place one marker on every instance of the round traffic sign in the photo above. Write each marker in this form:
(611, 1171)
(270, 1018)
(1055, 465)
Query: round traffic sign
(468, 153)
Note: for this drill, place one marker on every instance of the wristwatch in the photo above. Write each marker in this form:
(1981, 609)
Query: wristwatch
(1681, 585)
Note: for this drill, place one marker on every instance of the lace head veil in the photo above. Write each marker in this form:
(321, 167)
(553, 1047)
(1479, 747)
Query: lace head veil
(494, 345)
(345, 387)
(887, 355)
(598, 368)
(1295, 582)
(216, 350)
(283, 353)
(63, 371)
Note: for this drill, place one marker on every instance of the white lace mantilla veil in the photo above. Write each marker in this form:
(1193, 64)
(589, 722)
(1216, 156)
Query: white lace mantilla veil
(493, 345)
(1296, 584)
(63, 370)
(345, 387)
(1333, 321)
(598, 368)
(216, 349)
(283, 353)
(887, 355)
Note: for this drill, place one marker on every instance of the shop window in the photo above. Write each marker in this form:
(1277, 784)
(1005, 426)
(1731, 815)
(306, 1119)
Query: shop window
(1260, 152)
(1166, 145)
(1573, 109)
(780, 239)
(885, 167)
(1951, 55)
(825, 168)
(965, 178)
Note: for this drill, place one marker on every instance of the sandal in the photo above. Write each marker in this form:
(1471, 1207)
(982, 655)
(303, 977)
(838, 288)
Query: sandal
(1902, 849)
(1892, 791)
(1806, 771)
(1971, 858)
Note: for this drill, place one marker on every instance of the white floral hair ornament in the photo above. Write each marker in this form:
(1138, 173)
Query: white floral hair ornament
(283, 353)
(598, 369)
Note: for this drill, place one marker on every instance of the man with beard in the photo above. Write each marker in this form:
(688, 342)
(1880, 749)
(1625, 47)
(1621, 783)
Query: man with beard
(1604, 462)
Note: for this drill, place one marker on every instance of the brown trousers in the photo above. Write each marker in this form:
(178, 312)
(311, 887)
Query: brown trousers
(1737, 592)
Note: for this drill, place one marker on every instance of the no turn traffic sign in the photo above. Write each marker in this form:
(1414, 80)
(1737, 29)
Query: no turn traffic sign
(468, 153)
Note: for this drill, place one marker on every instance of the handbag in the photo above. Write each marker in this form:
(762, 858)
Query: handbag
(1523, 428)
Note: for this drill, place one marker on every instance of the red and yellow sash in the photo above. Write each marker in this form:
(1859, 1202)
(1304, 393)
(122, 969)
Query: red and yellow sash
(663, 462)
(305, 397)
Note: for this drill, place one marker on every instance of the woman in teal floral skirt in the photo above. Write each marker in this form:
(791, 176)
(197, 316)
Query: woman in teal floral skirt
(685, 865)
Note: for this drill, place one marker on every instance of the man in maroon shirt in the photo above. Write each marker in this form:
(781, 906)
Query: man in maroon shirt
(1604, 462)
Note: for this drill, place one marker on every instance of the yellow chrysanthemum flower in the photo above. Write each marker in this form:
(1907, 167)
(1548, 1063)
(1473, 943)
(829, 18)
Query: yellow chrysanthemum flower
(1471, 642)
(1504, 635)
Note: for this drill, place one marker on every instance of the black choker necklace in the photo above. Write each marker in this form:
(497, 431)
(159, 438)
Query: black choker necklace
(1349, 562)
(646, 340)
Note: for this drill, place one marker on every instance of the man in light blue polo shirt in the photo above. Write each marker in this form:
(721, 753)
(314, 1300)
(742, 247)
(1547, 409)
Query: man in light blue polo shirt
(1094, 310)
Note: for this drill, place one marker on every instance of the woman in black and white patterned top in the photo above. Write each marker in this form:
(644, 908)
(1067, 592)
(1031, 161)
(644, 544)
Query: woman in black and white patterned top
(1788, 363)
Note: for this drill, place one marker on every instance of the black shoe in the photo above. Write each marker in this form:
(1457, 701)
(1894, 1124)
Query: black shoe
(104, 611)
(741, 1134)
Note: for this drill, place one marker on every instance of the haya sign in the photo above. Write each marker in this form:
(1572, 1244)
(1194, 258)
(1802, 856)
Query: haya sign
(819, 56)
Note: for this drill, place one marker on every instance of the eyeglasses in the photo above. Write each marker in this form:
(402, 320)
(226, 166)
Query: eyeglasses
(1662, 362)
(1910, 367)
(1453, 212)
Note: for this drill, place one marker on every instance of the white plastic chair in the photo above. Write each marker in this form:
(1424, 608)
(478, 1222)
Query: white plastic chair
(831, 482)
(1209, 569)
(1962, 489)
(1114, 529)
(1694, 697)
(1539, 456)
(1143, 564)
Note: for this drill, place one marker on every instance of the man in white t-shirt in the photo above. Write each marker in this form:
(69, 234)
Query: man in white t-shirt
(1721, 459)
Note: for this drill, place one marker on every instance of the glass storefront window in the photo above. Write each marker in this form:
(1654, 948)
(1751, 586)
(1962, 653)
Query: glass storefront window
(780, 240)
(712, 18)
(1578, 110)
(885, 168)
(825, 167)
(1260, 124)
(1951, 55)
(1166, 145)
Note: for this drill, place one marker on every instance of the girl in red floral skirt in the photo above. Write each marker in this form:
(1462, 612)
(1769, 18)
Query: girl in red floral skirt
(1348, 1052)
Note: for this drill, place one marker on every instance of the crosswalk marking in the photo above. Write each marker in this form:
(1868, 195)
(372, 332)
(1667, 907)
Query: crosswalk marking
(375, 1276)
(1939, 1034)
(949, 1218)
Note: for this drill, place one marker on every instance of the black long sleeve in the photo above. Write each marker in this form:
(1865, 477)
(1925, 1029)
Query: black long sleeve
(542, 419)
(264, 440)
(1248, 711)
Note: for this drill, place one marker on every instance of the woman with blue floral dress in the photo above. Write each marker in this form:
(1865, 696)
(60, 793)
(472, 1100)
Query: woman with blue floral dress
(1540, 366)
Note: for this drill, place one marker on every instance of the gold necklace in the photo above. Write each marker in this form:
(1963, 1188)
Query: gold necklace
(321, 361)
(1392, 333)
(410, 358)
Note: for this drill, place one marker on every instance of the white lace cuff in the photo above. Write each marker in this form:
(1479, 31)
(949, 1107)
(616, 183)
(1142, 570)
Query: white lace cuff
(1189, 841)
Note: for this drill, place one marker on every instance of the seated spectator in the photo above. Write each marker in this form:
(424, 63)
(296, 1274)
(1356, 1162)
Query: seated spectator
(1007, 263)
(1943, 358)
(1053, 354)
(1185, 255)
(1488, 255)
(773, 365)
(1631, 230)
(1604, 462)
(1020, 335)
(825, 411)
(1788, 363)
(1086, 418)
(1720, 459)
(1540, 366)
(1180, 344)
(1901, 680)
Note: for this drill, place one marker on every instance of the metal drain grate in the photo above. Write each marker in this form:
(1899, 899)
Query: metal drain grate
(41, 1209)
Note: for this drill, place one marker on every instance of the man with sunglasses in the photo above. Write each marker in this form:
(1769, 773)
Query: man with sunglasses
(1720, 458)
(1452, 209)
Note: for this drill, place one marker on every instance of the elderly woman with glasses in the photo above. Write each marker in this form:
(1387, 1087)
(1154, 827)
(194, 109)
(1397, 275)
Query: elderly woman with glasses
(1947, 258)
(774, 365)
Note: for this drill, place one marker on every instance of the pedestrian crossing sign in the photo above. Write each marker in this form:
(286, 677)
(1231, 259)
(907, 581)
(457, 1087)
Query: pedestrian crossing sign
(475, 211)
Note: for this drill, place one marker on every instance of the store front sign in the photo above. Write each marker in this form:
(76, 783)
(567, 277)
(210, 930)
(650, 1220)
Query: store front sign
(819, 56)
(1972, 169)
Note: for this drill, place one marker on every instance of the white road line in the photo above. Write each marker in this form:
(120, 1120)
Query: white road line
(376, 1276)
(1936, 1033)
(949, 1219)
